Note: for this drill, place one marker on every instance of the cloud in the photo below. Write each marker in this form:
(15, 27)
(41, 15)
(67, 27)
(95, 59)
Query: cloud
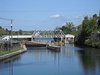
(63, 24)
(81, 16)
(55, 16)
(56, 20)
(78, 17)
(58, 17)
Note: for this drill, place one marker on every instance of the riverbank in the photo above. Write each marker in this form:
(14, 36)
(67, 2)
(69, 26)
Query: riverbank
(92, 45)
(13, 52)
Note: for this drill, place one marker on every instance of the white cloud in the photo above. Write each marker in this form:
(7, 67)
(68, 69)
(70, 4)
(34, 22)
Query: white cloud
(58, 17)
(64, 24)
(55, 16)
(81, 16)
(78, 17)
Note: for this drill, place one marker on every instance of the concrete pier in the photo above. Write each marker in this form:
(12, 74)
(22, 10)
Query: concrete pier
(53, 48)
(49, 46)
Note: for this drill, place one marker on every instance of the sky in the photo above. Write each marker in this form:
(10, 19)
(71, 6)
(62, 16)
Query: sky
(45, 14)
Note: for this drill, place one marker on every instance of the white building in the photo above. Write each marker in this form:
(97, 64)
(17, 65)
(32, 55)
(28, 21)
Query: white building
(69, 38)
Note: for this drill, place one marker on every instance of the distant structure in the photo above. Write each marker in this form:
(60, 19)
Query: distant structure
(48, 34)
(69, 38)
(37, 34)
(43, 34)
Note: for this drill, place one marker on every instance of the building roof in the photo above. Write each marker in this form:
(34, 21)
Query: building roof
(69, 35)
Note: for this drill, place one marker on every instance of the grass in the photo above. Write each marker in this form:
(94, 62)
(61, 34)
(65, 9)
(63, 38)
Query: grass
(10, 51)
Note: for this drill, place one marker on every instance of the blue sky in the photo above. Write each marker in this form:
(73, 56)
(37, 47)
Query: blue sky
(45, 14)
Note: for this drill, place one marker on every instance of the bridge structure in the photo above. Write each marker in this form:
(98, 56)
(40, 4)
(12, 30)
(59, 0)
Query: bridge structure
(37, 34)
(48, 34)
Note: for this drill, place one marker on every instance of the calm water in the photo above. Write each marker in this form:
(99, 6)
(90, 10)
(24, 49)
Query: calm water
(72, 60)
(44, 39)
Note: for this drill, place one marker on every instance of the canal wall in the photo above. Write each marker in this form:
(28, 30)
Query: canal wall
(36, 45)
(49, 46)
(53, 48)
(13, 53)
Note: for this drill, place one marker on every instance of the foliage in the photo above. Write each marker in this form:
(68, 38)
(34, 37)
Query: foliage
(20, 32)
(3, 31)
(8, 32)
(12, 50)
(69, 28)
(66, 30)
(88, 26)
(99, 22)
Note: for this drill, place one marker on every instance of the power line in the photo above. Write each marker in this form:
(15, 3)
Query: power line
(49, 10)
(6, 19)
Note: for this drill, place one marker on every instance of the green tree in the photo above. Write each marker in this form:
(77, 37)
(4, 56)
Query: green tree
(3, 31)
(70, 25)
(66, 30)
(86, 28)
(69, 28)
(98, 22)
(20, 32)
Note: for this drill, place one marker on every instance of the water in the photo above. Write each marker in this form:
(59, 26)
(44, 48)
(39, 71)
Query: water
(44, 39)
(72, 60)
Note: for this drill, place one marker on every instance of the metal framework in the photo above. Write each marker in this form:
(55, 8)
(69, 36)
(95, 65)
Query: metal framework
(48, 34)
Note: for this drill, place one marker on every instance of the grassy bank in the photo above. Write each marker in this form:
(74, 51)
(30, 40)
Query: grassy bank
(10, 51)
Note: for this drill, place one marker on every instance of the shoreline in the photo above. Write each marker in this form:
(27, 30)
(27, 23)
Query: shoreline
(86, 45)
(5, 56)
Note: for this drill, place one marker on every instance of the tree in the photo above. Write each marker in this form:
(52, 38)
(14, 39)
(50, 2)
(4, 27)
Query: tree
(70, 25)
(3, 31)
(86, 28)
(98, 22)
(69, 28)
(20, 32)
(95, 16)
(66, 30)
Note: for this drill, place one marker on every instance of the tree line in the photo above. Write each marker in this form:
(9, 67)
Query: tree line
(8, 32)
(88, 31)
(68, 28)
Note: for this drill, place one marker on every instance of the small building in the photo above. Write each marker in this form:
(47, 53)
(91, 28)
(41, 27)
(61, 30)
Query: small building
(69, 38)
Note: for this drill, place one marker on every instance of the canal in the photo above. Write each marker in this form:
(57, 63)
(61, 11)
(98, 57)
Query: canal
(71, 60)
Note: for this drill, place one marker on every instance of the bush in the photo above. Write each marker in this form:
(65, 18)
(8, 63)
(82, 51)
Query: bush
(88, 42)
(96, 44)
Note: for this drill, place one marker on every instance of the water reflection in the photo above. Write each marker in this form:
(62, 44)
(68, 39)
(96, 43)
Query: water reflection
(42, 54)
(71, 60)
(8, 60)
(90, 60)
(7, 65)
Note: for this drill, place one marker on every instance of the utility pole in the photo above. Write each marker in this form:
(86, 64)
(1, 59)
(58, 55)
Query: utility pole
(11, 33)
(99, 13)
(11, 29)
